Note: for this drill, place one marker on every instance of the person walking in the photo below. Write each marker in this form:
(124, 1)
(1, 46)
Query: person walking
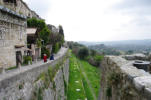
(52, 57)
(45, 58)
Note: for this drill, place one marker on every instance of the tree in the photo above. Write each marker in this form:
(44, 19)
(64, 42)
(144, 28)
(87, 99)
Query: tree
(130, 52)
(46, 51)
(37, 23)
(61, 34)
(93, 52)
(55, 48)
(83, 53)
(61, 31)
(43, 31)
(45, 35)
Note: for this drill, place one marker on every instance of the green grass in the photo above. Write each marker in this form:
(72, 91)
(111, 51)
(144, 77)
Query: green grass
(87, 90)
(11, 68)
(75, 76)
(93, 75)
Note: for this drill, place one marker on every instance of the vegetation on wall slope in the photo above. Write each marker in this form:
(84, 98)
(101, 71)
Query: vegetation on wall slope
(84, 80)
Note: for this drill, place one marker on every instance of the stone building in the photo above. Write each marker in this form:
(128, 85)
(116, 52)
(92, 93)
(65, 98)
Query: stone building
(13, 37)
(19, 7)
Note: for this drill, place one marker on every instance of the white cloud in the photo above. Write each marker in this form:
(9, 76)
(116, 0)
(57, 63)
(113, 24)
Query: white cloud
(93, 20)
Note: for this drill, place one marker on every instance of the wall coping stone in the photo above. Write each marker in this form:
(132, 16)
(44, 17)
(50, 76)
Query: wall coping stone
(139, 78)
(4, 9)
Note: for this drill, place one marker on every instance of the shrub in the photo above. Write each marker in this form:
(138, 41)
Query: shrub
(27, 59)
(46, 51)
(93, 52)
(98, 59)
(45, 35)
(38, 42)
(55, 48)
(83, 53)
(33, 22)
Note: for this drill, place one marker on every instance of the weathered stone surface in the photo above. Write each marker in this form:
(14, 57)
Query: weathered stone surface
(21, 84)
(120, 80)
(136, 57)
(13, 23)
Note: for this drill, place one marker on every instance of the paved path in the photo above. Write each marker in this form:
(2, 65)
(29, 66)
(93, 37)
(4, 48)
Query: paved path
(23, 69)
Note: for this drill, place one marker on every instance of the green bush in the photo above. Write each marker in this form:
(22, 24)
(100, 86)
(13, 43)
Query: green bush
(27, 59)
(38, 42)
(34, 22)
(45, 35)
(55, 48)
(83, 53)
(46, 51)
(98, 59)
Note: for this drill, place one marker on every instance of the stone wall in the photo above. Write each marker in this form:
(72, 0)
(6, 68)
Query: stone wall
(12, 33)
(20, 7)
(35, 83)
(13, 24)
(120, 80)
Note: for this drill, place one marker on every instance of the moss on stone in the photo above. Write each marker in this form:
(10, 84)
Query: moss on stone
(113, 79)
(48, 78)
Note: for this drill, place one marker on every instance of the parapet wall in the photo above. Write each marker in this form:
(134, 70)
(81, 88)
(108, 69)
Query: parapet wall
(120, 80)
(46, 81)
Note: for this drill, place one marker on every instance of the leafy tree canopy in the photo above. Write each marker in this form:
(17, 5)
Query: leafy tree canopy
(83, 53)
(38, 23)
(44, 35)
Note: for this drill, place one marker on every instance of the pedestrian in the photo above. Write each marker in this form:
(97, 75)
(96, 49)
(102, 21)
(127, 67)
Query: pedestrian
(45, 58)
(52, 57)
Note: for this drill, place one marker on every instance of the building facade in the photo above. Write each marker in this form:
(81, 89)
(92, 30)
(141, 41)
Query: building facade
(13, 37)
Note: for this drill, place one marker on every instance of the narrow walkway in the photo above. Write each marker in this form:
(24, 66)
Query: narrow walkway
(13, 72)
(76, 89)
(76, 61)
(85, 76)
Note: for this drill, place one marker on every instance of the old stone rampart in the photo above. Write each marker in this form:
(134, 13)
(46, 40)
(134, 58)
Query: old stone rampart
(45, 81)
(120, 80)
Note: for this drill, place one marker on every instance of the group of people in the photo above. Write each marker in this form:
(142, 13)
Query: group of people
(45, 57)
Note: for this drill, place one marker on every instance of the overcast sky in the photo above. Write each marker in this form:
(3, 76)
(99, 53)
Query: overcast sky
(97, 20)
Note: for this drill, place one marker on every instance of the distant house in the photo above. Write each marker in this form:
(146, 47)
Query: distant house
(32, 37)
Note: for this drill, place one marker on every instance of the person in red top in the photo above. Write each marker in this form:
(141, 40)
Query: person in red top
(45, 58)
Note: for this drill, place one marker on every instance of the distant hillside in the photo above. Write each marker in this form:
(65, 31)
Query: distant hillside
(127, 45)
(124, 42)
(105, 49)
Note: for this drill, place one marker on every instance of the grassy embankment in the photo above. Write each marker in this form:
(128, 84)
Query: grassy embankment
(85, 77)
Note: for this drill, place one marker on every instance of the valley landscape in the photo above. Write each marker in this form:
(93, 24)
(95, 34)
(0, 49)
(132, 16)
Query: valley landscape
(75, 50)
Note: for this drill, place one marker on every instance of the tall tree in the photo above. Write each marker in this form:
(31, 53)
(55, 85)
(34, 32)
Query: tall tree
(61, 31)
